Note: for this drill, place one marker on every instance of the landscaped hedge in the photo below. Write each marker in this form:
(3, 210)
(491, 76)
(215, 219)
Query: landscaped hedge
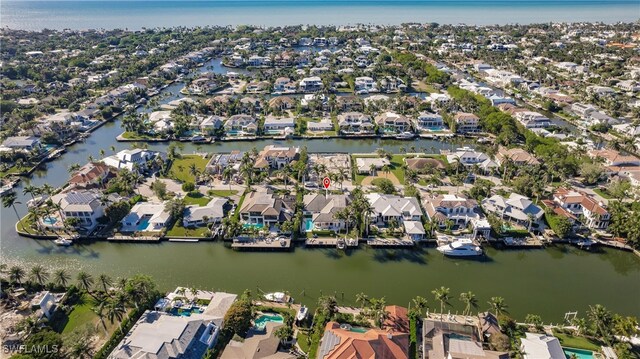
(413, 338)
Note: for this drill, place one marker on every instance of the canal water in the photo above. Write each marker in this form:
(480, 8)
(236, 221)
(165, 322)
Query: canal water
(548, 282)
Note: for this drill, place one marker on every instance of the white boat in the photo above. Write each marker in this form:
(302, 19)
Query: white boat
(405, 135)
(302, 313)
(278, 297)
(585, 243)
(461, 248)
(63, 242)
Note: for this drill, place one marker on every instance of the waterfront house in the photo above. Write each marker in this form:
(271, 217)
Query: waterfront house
(365, 83)
(541, 346)
(457, 209)
(86, 206)
(165, 333)
(387, 207)
(365, 165)
(424, 164)
(393, 123)
(262, 207)
(320, 210)
(517, 208)
(212, 212)
(203, 86)
(146, 217)
(132, 160)
(389, 342)
(311, 84)
(241, 125)
(276, 157)
(284, 84)
(324, 125)
(466, 122)
(21, 143)
(162, 121)
(282, 103)
(613, 158)
(349, 103)
(210, 124)
(516, 156)
(467, 156)
(355, 123)
(93, 174)
(257, 86)
(532, 119)
(392, 84)
(454, 336)
(44, 304)
(577, 205)
(582, 110)
(427, 121)
(257, 344)
(278, 125)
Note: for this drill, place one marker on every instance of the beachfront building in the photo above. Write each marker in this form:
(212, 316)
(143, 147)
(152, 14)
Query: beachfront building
(212, 212)
(320, 212)
(466, 122)
(355, 124)
(166, 333)
(389, 342)
(579, 206)
(263, 208)
(517, 208)
(392, 123)
(428, 122)
(85, 206)
(241, 125)
(456, 209)
(276, 157)
(541, 346)
(146, 217)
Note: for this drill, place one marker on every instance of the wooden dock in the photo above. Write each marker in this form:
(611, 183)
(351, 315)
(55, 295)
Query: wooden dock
(258, 244)
(134, 239)
(329, 242)
(525, 242)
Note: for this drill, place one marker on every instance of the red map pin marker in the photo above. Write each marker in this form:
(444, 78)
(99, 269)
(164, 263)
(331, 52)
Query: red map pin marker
(326, 182)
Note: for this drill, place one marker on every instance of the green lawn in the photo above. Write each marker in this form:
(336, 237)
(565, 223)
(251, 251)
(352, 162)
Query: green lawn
(426, 87)
(197, 200)
(567, 340)
(302, 341)
(222, 192)
(81, 315)
(602, 193)
(180, 167)
(177, 231)
(136, 136)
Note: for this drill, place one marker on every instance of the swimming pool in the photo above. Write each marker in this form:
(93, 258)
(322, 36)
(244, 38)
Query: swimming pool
(253, 225)
(308, 224)
(262, 320)
(49, 220)
(185, 312)
(358, 329)
(579, 353)
(144, 223)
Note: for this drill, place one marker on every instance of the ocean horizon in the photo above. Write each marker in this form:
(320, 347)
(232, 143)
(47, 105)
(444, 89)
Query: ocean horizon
(138, 14)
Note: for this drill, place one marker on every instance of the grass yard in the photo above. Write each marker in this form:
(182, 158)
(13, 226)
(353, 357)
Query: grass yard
(180, 167)
(177, 231)
(602, 193)
(302, 341)
(80, 316)
(197, 200)
(567, 340)
(222, 192)
(136, 136)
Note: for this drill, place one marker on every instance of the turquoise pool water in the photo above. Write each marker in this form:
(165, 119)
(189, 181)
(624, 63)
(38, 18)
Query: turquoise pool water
(233, 132)
(580, 353)
(254, 225)
(308, 224)
(185, 312)
(358, 329)
(50, 220)
(262, 320)
(144, 223)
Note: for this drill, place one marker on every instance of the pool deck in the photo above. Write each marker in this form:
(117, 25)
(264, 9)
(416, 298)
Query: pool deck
(261, 244)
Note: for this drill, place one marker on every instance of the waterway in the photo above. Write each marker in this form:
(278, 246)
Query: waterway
(549, 282)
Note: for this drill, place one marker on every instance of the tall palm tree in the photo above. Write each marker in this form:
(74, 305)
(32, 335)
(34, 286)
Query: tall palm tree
(30, 190)
(38, 274)
(115, 311)
(498, 305)
(85, 281)
(441, 295)
(9, 200)
(61, 277)
(419, 304)
(105, 281)
(469, 299)
(16, 274)
(362, 299)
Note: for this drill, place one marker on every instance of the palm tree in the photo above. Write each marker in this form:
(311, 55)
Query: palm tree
(105, 281)
(470, 300)
(85, 281)
(16, 274)
(602, 321)
(38, 274)
(115, 311)
(498, 305)
(419, 304)
(31, 190)
(194, 292)
(363, 299)
(9, 200)
(227, 175)
(61, 278)
(442, 295)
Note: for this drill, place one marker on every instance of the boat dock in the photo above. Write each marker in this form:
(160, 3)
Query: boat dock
(524, 242)
(266, 244)
(330, 242)
(390, 242)
(133, 239)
